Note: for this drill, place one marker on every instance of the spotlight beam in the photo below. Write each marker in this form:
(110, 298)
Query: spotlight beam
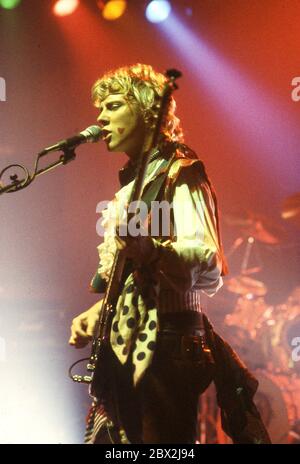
(259, 124)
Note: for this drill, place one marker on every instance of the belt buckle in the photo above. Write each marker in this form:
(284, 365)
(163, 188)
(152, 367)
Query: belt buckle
(194, 349)
(191, 347)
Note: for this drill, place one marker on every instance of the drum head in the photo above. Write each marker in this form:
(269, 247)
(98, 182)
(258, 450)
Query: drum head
(247, 349)
(271, 405)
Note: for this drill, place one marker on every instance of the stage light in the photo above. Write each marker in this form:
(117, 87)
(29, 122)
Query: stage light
(9, 4)
(65, 7)
(248, 109)
(112, 9)
(158, 11)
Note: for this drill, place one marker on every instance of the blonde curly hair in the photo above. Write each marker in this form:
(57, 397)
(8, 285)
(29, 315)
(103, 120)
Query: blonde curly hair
(142, 83)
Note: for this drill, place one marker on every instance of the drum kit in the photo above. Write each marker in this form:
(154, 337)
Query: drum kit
(265, 334)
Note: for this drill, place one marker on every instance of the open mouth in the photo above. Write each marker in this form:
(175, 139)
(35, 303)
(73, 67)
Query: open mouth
(105, 135)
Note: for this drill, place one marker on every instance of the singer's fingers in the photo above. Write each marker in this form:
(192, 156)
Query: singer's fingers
(92, 322)
(78, 328)
(77, 332)
(79, 342)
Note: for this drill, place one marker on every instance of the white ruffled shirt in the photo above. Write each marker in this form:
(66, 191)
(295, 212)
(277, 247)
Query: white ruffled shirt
(191, 263)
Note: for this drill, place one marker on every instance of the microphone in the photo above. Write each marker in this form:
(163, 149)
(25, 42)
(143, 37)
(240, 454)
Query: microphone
(91, 134)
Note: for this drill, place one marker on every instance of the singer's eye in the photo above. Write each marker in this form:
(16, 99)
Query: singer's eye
(114, 106)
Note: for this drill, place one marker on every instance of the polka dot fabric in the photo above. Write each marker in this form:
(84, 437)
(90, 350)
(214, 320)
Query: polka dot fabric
(134, 326)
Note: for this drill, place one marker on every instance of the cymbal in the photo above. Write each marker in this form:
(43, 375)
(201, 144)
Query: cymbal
(243, 285)
(290, 209)
(252, 270)
(237, 220)
(258, 226)
(264, 231)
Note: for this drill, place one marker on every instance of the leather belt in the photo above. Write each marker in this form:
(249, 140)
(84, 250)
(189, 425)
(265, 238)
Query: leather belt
(186, 346)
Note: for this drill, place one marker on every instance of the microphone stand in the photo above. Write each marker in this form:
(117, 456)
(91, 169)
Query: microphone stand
(17, 184)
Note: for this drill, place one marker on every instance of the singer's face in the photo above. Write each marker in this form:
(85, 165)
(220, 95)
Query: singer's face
(123, 121)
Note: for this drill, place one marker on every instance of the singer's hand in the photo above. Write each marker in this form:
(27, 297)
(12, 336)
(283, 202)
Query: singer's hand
(140, 249)
(84, 326)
